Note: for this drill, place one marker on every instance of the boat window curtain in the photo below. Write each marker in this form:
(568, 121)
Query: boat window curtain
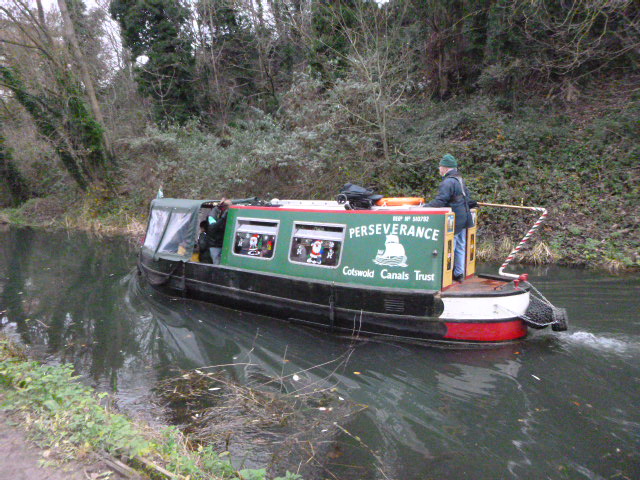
(156, 227)
(177, 238)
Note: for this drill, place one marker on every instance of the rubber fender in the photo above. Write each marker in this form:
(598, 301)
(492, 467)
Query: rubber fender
(561, 318)
(399, 201)
(539, 314)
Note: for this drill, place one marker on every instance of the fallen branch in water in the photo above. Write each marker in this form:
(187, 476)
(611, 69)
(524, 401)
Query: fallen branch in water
(296, 429)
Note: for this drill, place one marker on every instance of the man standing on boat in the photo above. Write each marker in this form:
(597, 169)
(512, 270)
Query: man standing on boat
(215, 232)
(454, 193)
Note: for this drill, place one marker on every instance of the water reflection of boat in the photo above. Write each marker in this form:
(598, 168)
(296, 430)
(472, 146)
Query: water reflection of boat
(314, 263)
(199, 335)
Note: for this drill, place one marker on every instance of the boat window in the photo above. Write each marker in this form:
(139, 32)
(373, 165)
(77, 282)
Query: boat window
(451, 223)
(255, 238)
(156, 227)
(176, 238)
(317, 244)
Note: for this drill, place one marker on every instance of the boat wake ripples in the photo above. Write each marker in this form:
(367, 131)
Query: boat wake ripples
(602, 343)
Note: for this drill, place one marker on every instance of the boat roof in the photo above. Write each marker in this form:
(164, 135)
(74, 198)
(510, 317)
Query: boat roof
(179, 203)
(333, 205)
(192, 205)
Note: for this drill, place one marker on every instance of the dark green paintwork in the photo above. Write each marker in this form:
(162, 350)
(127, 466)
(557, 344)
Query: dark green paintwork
(366, 233)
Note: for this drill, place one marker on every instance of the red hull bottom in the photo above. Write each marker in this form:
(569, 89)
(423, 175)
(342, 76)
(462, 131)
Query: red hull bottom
(486, 332)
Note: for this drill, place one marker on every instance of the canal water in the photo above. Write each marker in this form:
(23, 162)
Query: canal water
(556, 405)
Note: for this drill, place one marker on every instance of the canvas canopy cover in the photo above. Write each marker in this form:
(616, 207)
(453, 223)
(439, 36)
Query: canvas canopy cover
(173, 226)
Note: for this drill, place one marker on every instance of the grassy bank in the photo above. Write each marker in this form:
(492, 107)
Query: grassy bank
(62, 414)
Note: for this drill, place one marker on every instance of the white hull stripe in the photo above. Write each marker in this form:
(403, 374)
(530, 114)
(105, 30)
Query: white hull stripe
(485, 308)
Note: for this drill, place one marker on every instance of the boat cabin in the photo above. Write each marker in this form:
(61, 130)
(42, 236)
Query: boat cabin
(401, 247)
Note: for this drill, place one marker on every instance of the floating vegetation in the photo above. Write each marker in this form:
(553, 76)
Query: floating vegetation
(295, 431)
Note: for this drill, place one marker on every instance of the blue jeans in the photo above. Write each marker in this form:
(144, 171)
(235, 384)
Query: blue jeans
(459, 253)
(215, 255)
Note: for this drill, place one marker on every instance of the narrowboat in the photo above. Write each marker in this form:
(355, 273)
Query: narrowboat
(384, 271)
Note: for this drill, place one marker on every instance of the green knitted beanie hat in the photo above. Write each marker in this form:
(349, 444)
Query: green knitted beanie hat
(449, 161)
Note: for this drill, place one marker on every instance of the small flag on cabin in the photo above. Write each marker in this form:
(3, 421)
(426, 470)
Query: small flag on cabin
(160, 194)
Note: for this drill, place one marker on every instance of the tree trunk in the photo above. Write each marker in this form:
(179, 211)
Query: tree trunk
(72, 40)
(276, 10)
(14, 180)
(41, 14)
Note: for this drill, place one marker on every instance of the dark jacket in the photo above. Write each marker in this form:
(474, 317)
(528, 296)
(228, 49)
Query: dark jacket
(215, 232)
(203, 248)
(450, 195)
(203, 242)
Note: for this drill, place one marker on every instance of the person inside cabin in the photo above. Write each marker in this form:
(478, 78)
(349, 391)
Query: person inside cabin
(203, 243)
(454, 193)
(215, 231)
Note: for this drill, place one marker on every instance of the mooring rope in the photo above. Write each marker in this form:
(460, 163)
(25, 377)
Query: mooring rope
(528, 316)
(526, 237)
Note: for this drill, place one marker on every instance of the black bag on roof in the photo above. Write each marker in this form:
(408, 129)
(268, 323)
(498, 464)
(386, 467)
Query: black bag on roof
(355, 197)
